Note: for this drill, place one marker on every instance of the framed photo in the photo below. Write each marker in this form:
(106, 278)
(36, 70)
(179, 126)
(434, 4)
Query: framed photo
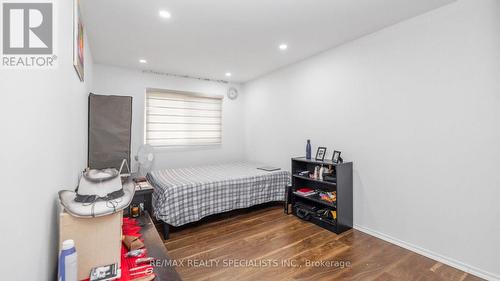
(336, 157)
(78, 43)
(320, 154)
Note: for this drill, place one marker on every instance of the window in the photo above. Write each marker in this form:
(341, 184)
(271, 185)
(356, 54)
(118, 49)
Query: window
(182, 119)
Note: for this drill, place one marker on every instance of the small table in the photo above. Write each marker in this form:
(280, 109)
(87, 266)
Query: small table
(143, 195)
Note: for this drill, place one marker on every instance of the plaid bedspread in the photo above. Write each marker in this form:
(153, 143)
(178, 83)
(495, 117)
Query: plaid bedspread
(186, 195)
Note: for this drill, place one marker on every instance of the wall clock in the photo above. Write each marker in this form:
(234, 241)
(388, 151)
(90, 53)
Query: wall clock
(232, 93)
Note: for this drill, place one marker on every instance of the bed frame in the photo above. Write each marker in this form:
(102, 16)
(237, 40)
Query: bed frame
(167, 228)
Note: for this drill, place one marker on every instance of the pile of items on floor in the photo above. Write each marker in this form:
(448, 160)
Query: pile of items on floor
(135, 264)
(96, 242)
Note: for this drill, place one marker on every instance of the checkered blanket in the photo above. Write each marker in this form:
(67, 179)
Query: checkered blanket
(186, 195)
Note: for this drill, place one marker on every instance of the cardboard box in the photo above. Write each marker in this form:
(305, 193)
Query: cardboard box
(98, 241)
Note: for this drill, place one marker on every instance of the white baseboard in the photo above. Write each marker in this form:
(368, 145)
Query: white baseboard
(430, 254)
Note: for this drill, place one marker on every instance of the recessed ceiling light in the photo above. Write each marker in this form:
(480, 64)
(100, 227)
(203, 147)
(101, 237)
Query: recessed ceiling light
(283, 47)
(228, 74)
(165, 14)
(143, 61)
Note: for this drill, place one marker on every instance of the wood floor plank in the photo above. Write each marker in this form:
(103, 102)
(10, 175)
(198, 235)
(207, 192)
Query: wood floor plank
(221, 221)
(298, 255)
(210, 236)
(257, 242)
(386, 277)
(414, 268)
(471, 277)
(226, 241)
(367, 260)
(291, 252)
(297, 248)
(251, 248)
(449, 273)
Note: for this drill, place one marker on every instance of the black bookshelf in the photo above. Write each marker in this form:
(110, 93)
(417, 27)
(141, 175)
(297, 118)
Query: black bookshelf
(343, 186)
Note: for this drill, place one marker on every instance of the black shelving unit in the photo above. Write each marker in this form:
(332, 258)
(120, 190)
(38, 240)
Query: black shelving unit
(342, 185)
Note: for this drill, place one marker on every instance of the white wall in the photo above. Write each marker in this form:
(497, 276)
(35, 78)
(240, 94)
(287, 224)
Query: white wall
(416, 107)
(109, 80)
(44, 144)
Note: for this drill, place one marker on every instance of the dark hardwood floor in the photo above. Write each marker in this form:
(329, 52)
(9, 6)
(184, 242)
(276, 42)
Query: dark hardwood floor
(266, 244)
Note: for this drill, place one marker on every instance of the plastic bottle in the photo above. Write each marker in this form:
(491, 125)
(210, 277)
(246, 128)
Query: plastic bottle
(308, 149)
(68, 269)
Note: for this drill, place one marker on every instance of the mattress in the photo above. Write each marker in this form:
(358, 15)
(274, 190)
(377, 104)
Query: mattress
(185, 195)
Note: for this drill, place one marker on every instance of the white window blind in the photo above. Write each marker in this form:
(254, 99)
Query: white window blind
(182, 119)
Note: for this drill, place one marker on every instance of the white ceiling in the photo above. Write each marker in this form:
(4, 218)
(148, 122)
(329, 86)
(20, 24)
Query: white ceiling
(207, 38)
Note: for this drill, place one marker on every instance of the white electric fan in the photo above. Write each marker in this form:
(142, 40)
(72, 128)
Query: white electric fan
(145, 157)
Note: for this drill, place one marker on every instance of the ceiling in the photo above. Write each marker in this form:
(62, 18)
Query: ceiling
(210, 38)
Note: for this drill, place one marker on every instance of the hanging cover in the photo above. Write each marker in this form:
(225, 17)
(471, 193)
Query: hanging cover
(109, 131)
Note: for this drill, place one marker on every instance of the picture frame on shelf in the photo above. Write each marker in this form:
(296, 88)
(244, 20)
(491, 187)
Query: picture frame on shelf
(321, 153)
(336, 157)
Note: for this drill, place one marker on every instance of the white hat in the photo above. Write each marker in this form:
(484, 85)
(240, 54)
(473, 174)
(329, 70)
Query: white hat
(99, 193)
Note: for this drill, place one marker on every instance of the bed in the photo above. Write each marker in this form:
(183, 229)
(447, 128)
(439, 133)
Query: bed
(185, 195)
